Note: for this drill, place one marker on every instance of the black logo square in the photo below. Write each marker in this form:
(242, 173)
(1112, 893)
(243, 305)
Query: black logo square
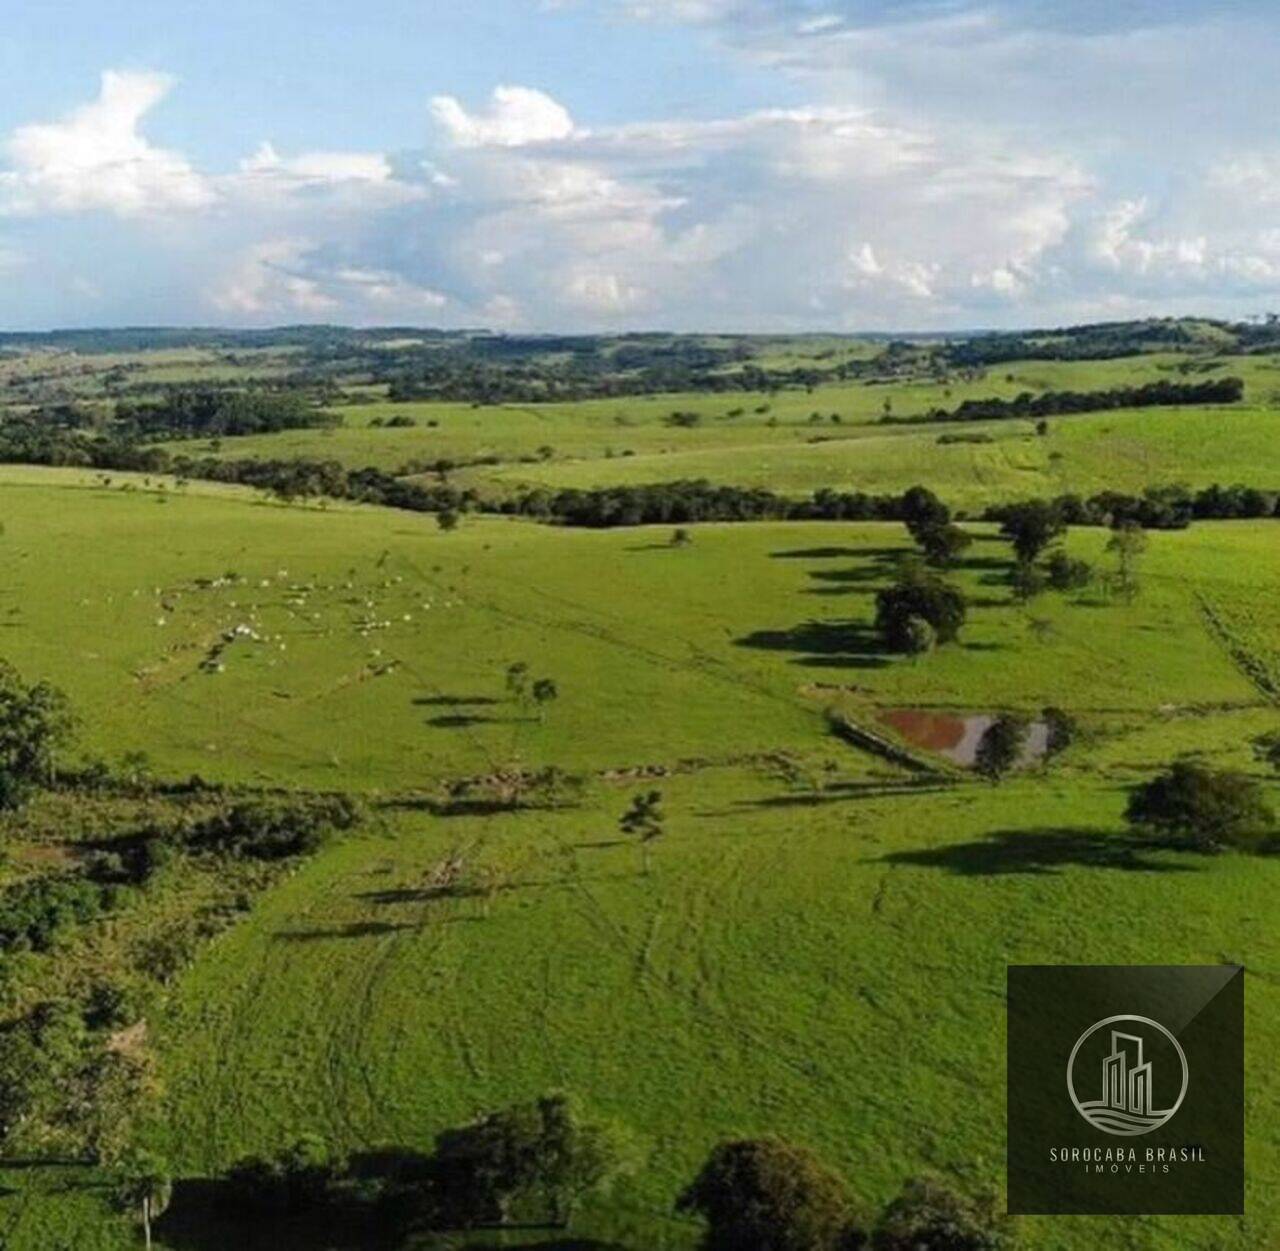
(1126, 1089)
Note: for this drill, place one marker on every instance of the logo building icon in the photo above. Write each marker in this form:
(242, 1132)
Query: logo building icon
(1126, 1079)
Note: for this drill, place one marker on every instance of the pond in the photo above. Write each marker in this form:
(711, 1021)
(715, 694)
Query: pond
(956, 736)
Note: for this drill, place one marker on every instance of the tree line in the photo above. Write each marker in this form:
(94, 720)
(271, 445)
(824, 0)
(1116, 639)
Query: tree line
(533, 1165)
(211, 412)
(34, 443)
(1160, 394)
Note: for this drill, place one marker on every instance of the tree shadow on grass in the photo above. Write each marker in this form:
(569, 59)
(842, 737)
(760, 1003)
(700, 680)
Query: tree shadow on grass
(455, 701)
(842, 793)
(1042, 851)
(994, 564)
(859, 580)
(465, 720)
(828, 644)
(357, 929)
(203, 1216)
(841, 553)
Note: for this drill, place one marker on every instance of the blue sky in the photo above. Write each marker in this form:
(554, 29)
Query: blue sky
(610, 164)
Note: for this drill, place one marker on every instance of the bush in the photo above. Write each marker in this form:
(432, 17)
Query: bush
(920, 636)
(1001, 745)
(1062, 730)
(37, 1053)
(927, 1216)
(1266, 748)
(770, 1195)
(1066, 574)
(35, 721)
(544, 1152)
(920, 595)
(275, 829)
(34, 912)
(1027, 581)
(1206, 808)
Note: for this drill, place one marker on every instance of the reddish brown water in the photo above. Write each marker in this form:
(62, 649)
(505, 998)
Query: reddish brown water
(956, 736)
(934, 731)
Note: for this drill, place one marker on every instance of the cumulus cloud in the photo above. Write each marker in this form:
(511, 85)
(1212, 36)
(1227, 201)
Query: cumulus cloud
(793, 216)
(515, 116)
(293, 277)
(97, 158)
(267, 280)
(836, 214)
(318, 167)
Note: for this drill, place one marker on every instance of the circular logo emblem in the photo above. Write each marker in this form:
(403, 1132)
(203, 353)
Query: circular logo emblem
(1122, 1073)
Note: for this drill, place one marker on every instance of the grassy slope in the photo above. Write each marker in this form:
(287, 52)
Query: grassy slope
(763, 976)
(628, 441)
(1124, 451)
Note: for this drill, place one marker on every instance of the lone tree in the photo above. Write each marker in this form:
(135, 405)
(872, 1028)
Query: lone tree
(1208, 809)
(928, 1216)
(35, 722)
(645, 821)
(448, 519)
(143, 1189)
(1001, 746)
(544, 1154)
(1031, 527)
(1128, 543)
(923, 595)
(517, 681)
(544, 691)
(770, 1195)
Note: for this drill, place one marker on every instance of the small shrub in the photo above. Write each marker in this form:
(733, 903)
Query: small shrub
(1062, 730)
(34, 913)
(275, 829)
(928, 1216)
(1065, 574)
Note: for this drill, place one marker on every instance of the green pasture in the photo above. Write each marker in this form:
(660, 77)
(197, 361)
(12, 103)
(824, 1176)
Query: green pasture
(748, 437)
(369, 649)
(825, 961)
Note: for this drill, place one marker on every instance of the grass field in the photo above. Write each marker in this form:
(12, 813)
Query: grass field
(764, 974)
(787, 442)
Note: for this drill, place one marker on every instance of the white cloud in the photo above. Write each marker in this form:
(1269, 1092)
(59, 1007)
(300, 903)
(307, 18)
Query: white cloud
(835, 214)
(266, 281)
(291, 278)
(319, 167)
(96, 158)
(515, 116)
